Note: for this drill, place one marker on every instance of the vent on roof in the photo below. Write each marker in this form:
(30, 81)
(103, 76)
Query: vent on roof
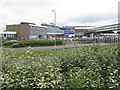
(27, 23)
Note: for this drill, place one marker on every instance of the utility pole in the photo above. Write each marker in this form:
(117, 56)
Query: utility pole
(118, 38)
(55, 25)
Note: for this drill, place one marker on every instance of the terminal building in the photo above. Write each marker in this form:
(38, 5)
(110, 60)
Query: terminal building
(76, 31)
(5, 35)
(81, 30)
(28, 31)
(69, 32)
(53, 31)
(107, 30)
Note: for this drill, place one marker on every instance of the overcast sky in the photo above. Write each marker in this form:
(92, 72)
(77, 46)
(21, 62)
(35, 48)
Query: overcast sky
(68, 12)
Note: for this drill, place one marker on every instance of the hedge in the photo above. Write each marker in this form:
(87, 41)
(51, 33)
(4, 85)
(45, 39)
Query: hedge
(87, 68)
(8, 43)
(36, 43)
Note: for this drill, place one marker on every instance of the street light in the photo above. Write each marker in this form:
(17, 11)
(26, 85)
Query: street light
(118, 38)
(54, 25)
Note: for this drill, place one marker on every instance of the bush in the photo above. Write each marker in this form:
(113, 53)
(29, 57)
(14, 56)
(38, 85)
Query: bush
(28, 73)
(88, 67)
(7, 43)
(91, 67)
(36, 43)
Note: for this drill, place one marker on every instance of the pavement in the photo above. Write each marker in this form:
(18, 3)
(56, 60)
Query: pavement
(51, 47)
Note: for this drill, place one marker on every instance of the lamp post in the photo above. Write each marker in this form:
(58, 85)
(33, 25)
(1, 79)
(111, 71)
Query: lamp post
(54, 25)
(118, 38)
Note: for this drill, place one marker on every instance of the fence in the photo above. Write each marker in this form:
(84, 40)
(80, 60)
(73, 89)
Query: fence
(98, 40)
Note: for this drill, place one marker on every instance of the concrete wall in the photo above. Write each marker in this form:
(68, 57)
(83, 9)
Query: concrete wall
(24, 31)
(21, 29)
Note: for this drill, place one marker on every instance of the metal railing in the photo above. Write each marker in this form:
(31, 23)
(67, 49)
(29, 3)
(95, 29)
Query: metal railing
(99, 40)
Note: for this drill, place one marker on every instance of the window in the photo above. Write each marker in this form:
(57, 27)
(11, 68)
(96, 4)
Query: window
(4, 35)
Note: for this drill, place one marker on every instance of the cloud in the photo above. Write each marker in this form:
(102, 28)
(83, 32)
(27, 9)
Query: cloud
(23, 1)
(18, 10)
(68, 11)
(95, 18)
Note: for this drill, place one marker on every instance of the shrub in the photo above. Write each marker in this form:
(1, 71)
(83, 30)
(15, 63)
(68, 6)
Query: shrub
(7, 43)
(28, 73)
(36, 43)
(88, 67)
(96, 67)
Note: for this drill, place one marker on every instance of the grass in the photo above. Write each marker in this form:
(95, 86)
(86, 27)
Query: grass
(33, 53)
(43, 53)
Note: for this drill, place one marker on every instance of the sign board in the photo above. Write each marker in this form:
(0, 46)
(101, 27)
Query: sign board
(68, 32)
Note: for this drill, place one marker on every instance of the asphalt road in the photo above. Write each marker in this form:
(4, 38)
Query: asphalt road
(39, 48)
(50, 47)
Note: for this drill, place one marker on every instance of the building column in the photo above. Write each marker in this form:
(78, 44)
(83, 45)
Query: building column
(92, 35)
(7, 35)
(11, 35)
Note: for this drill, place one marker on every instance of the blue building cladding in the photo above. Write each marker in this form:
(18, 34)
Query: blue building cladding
(37, 33)
(68, 32)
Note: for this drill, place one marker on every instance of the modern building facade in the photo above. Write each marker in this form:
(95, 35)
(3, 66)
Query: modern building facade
(28, 31)
(5, 35)
(106, 30)
(69, 32)
(76, 31)
(53, 31)
(81, 30)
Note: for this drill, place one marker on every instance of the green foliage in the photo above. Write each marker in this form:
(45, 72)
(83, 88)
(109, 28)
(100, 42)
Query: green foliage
(8, 43)
(32, 53)
(36, 43)
(30, 73)
(3, 41)
(98, 65)
(87, 67)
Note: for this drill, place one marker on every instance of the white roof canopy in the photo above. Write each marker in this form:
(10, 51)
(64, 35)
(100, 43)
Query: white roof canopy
(7, 32)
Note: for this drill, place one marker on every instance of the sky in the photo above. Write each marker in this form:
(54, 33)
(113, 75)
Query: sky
(68, 12)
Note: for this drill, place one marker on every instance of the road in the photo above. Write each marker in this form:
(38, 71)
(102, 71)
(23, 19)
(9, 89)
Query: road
(50, 47)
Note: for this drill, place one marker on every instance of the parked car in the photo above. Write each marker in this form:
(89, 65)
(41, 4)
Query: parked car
(10, 42)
